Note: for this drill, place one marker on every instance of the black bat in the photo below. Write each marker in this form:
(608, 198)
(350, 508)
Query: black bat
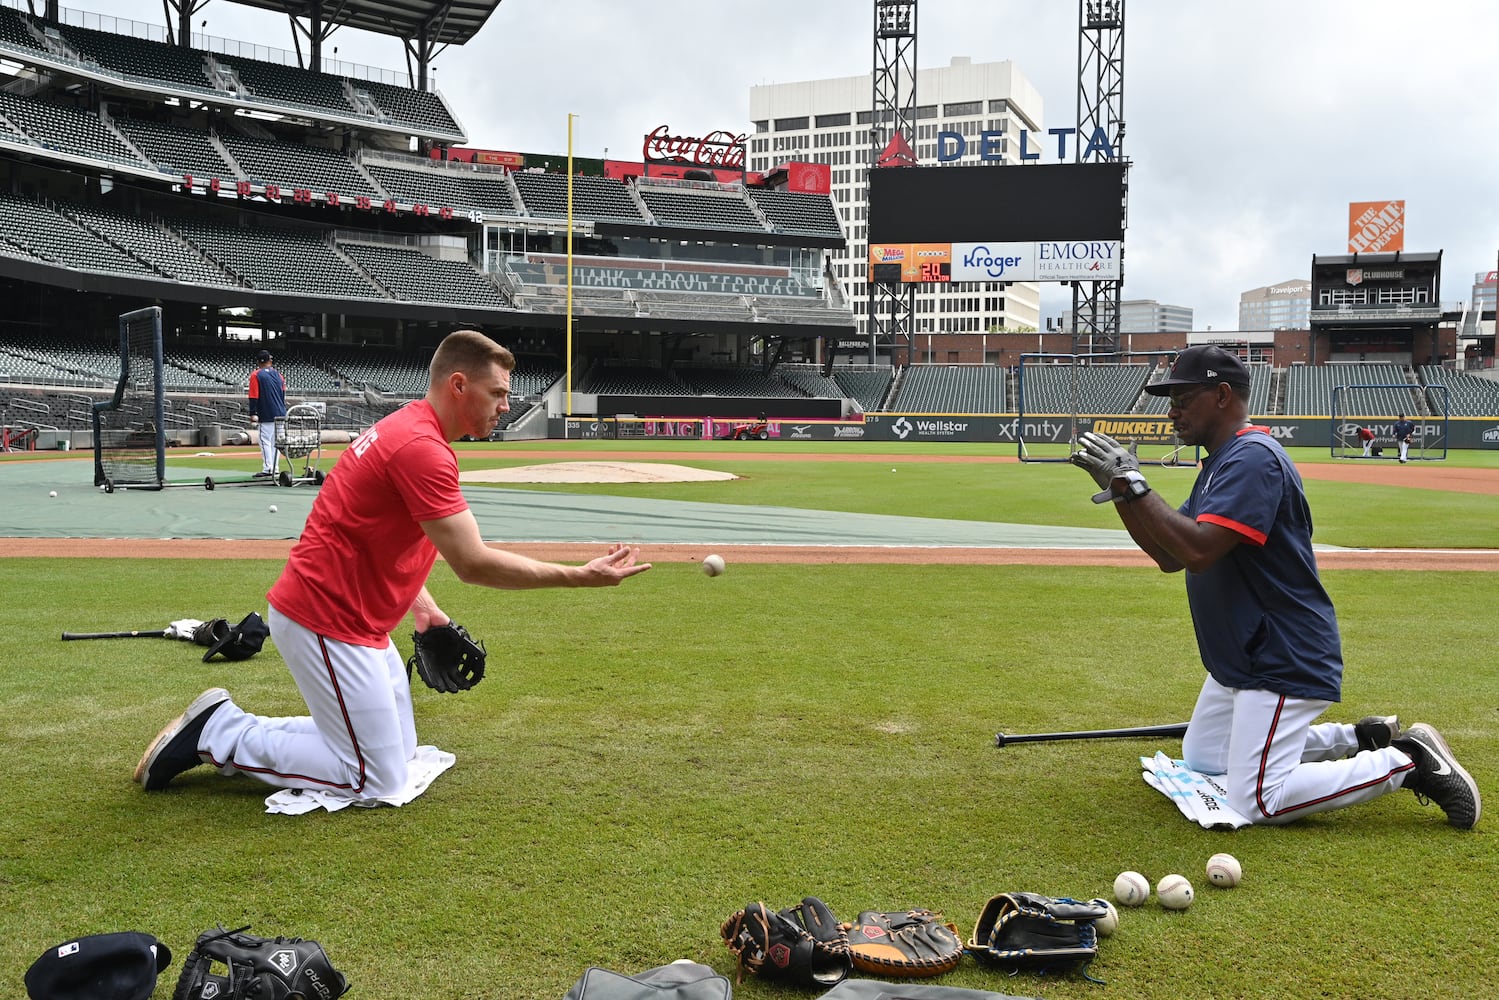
(158, 633)
(1173, 729)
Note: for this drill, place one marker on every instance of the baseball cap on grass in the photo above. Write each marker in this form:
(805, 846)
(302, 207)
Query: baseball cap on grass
(119, 966)
(1205, 364)
(236, 642)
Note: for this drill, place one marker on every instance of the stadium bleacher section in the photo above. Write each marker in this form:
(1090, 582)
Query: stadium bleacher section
(177, 150)
(951, 389)
(1309, 388)
(691, 209)
(67, 130)
(294, 261)
(1468, 395)
(544, 195)
(30, 228)
(455, 186)
(794, 212)
(410, 274)
(295, 165)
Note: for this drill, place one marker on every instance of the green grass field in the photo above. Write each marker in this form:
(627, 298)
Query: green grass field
(643, 761)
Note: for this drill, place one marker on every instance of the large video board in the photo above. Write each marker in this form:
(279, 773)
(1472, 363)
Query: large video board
(1057, 222)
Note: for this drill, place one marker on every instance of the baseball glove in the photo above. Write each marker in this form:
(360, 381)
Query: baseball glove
(233, 965)
(909, 945)
(447, 657)
(801, 944)
(1031, 931)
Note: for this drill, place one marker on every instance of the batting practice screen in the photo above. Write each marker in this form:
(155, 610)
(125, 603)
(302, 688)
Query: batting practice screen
(1055, 201)
(129, 427)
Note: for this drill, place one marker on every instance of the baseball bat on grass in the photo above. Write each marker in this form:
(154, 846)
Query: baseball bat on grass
(155, 633)
(1172, 729)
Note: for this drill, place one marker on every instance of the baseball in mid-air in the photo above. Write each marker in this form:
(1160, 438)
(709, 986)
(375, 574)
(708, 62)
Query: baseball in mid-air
(1174, 892)
(1131, 889)
(52, 494)
(1107, 924)
(1224, 871)
(713, 565)
(272, 508)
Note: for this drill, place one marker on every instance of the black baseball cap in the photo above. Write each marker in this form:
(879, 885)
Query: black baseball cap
(1202, 365)
(119, 966)
(263, 356)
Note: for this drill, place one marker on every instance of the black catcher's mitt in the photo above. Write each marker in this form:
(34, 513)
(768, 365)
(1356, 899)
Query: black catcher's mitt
(802, 944)
(908, 945)
(447, 657)
(1026, 930)
(233, 965)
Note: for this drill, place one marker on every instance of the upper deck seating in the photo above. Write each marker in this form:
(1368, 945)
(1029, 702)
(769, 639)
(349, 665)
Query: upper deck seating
(798, 212)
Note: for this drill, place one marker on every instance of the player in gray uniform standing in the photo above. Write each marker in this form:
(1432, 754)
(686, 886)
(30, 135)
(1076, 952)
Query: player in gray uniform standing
(1266, 629)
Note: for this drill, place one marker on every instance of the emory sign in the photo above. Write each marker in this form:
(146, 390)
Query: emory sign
(721, 148)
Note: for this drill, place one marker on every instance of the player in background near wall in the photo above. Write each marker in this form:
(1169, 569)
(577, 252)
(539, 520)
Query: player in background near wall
(1366, 435)
(1266, 629)
(267, 405)
(1404, 431)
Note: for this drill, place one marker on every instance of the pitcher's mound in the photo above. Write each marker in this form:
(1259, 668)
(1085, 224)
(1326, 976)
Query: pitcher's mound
(596, 472)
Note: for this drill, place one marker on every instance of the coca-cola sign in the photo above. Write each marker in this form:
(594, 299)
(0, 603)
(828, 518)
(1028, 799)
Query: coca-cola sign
(716, 149)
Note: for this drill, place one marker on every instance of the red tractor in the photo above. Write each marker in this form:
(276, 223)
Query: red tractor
(753, 430)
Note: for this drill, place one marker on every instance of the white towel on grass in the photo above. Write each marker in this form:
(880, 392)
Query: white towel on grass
(1200, 797)
(423, 769)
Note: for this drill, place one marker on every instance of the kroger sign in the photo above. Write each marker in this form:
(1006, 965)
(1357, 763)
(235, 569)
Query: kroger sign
(989, 145)
(1051, 260)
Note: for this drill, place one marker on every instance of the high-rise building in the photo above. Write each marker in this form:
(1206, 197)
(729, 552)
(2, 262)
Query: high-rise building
(827, 121)
(1285, 306)
(1146, 316)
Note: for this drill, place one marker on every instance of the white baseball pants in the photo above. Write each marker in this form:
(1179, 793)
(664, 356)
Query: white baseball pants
(359, 736)
(1279, 765)
(268, 446)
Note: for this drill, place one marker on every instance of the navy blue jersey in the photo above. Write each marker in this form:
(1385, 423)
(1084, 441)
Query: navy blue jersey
(1262, 617)
(267, 394)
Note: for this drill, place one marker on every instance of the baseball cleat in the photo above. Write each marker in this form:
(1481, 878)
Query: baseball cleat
(1376, 731)
(1438, 777)
(175, 748)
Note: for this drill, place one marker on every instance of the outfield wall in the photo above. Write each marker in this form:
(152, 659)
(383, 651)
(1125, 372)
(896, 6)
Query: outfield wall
(1304, 432)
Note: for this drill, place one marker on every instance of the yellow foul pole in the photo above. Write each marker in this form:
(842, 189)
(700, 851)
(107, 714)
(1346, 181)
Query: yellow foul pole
(569, 406)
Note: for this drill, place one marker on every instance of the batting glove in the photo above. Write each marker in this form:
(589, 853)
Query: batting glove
(1106, 460)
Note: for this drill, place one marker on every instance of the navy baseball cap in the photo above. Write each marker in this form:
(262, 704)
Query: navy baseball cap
(263, 356)
(1202, 365)
(119, 966)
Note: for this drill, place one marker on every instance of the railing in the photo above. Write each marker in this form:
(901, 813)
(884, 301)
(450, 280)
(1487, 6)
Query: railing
(212, 43)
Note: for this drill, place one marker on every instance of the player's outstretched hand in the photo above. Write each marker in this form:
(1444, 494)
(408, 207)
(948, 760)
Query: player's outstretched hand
(1104, 458)
(613, 569)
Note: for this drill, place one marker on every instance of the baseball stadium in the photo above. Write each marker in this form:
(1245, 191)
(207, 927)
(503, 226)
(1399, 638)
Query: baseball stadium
(893, 697)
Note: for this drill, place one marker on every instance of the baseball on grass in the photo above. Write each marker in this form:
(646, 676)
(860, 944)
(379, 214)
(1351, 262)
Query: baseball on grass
(272, 508)
(1107, 924)
(1174, 892)
(713, 565)
(52, 494)
(1224, 871)
(1131, 889)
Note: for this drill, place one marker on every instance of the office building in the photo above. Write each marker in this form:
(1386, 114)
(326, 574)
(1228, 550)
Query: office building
(1146, 316)
(1284, 306)
(827, 121)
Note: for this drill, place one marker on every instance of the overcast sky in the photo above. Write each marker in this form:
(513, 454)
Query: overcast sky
(1251, 126)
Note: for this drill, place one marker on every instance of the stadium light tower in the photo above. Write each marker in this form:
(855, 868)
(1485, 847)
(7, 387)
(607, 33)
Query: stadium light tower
(1100, 105)
(892, 307)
